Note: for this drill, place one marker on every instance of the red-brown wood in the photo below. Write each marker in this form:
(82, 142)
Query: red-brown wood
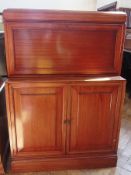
(59, 115)
(1, 169)
(60, 15)
(48, 44)
(38, 114)
(64, 163)
(28, 109)
(93, 116)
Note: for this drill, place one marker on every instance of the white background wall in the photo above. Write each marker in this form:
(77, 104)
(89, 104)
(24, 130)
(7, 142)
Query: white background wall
(124, 3)
(61, 4)
(84, 5)
(49, 4)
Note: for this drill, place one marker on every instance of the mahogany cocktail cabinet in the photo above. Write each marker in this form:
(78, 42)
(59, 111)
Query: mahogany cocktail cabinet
(64, 91)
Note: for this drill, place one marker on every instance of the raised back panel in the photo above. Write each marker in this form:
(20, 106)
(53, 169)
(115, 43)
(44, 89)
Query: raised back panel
(49, 44)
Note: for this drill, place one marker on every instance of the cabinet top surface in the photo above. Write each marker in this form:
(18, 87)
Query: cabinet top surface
(60, 15)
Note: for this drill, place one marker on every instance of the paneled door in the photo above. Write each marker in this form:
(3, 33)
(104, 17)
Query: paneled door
(36, 121)
(94, 117)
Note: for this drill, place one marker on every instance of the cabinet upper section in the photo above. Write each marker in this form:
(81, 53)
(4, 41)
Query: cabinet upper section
(42, 42)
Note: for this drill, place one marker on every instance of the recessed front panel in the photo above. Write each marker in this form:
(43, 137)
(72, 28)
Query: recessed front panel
(93, 116)
(38, 120)
(58, 48)
(63, 50)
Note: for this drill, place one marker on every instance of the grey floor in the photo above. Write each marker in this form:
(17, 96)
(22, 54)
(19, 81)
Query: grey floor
(124, 151)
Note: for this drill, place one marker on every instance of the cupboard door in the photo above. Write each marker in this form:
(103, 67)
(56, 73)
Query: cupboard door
(94, 117)
(36, 121)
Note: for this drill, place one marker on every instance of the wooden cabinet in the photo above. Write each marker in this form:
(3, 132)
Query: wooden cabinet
(60, 119)
(64, 94)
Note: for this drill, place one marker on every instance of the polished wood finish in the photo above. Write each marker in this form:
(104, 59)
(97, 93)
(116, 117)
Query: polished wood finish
(61, 15)
(38, 111)
(34, 107)
(1, 169)
(61, 113)
(64, 163)
(55, 42)
(93, 116)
